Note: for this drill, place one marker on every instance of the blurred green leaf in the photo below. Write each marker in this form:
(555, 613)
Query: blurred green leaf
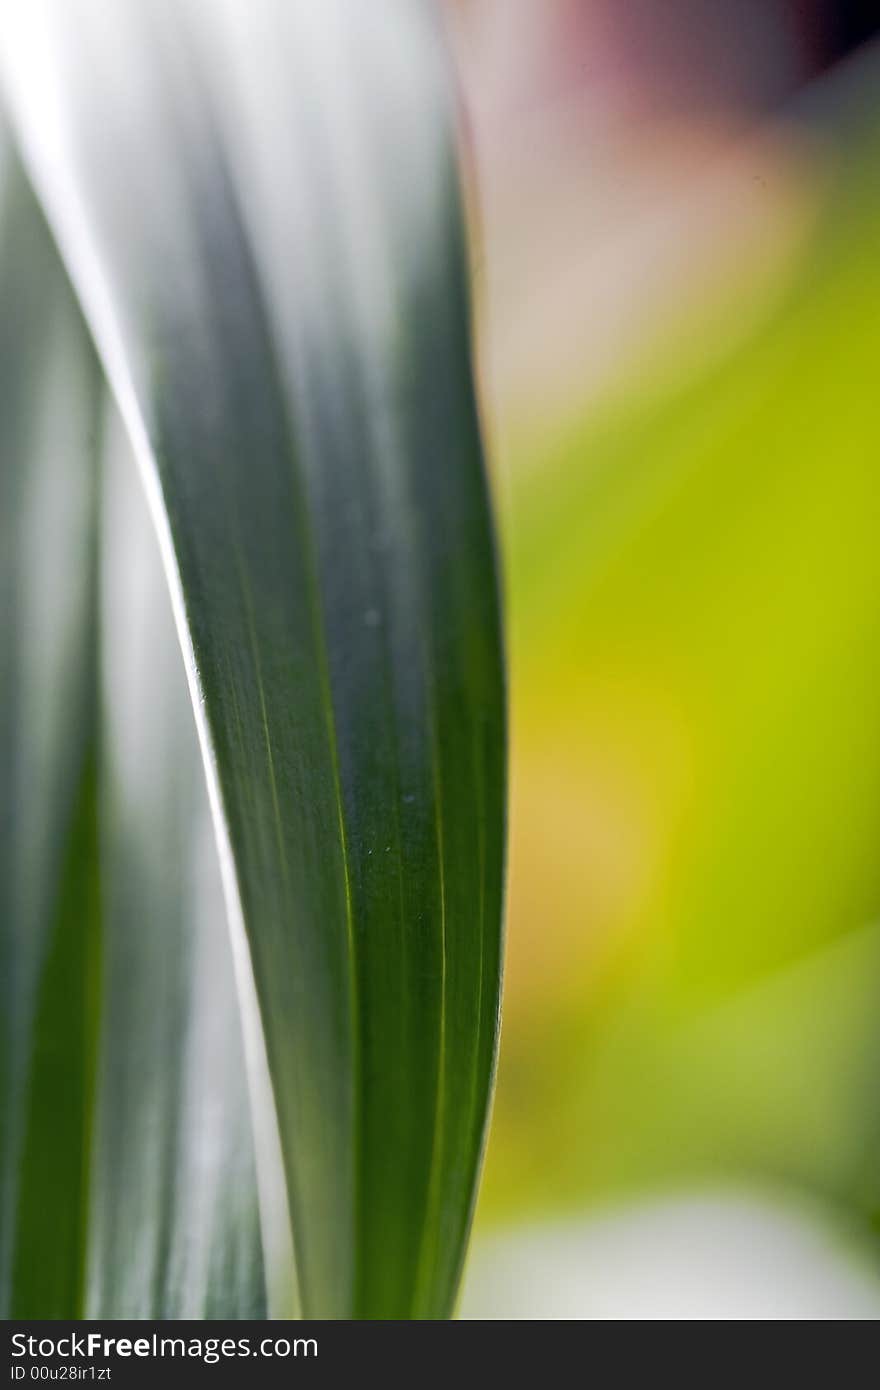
(49, 913)
(127, 1168)
(257, 204)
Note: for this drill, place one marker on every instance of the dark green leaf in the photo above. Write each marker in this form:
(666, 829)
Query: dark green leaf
(257, 203)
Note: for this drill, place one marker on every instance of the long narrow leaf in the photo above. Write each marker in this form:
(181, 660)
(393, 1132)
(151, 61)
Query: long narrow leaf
(257, 203)
(50, 925)
(172, 1202)
(128, 1185)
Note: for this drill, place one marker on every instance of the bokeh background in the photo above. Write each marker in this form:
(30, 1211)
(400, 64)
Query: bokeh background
(676, 231)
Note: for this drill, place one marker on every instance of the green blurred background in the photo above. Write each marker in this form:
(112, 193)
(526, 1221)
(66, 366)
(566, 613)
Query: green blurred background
(677, 223)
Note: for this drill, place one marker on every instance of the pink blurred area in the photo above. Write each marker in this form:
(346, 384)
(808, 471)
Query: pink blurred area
(625, 158)
(639, 57)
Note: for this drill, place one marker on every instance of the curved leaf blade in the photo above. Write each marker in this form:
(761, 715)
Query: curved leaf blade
(258, 207)
(50, 919)
(173, 1228)
(126, 1160)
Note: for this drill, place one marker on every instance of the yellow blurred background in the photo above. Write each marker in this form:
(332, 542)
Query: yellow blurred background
(676, 218)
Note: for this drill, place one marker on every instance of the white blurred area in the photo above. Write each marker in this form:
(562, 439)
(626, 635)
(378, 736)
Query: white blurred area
(710, 1256)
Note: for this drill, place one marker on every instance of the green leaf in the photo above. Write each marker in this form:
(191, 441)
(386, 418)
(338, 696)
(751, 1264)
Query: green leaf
(258, 207)
(49, 915)
(128, 1182)
(173, 1215)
